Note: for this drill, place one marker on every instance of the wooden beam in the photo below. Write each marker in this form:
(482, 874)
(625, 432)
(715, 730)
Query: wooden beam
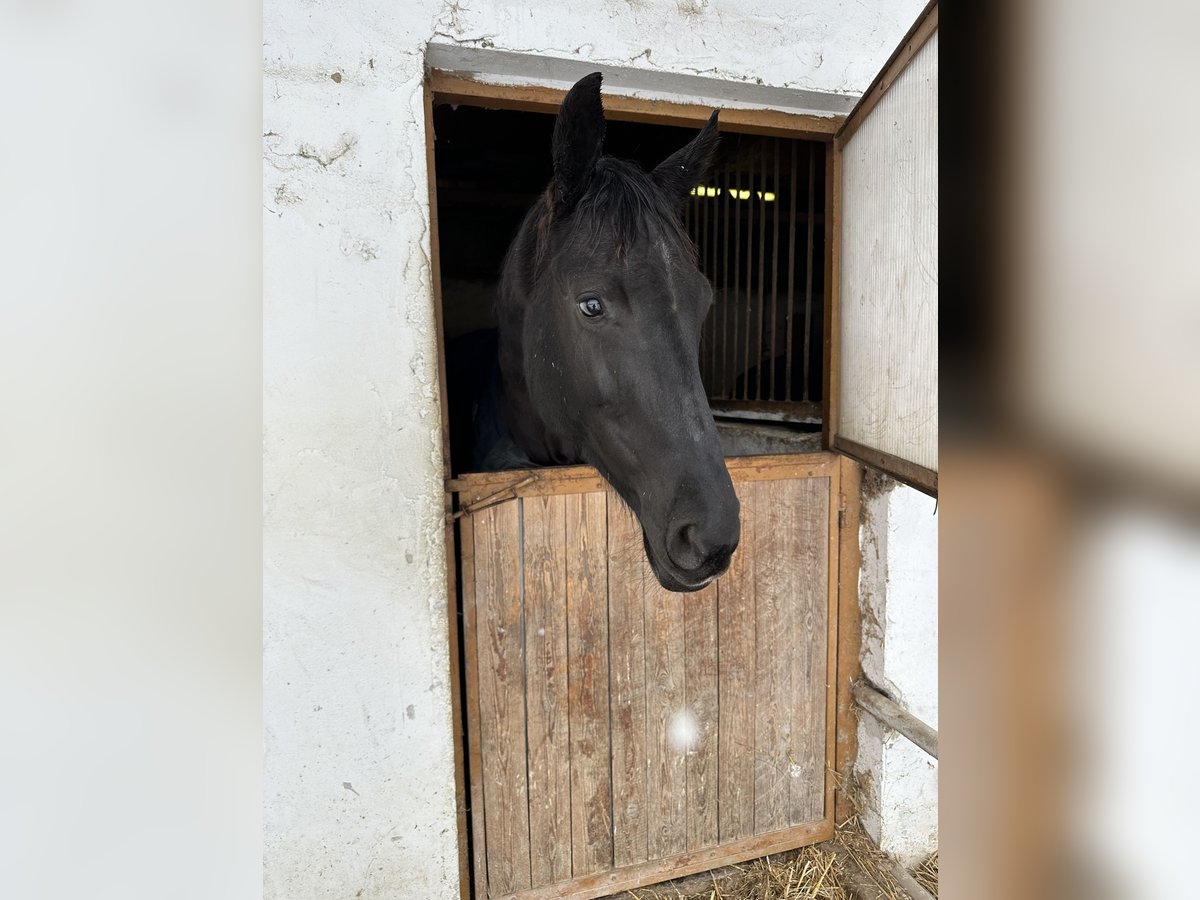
(910, 473)
(895, 716)
(849, 635)
(679, 865)
(476, 486)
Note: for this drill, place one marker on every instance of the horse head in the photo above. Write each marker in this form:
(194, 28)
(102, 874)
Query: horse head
(600, 312)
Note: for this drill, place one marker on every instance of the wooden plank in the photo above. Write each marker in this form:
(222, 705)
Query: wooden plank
(679, 865)
(475, 486)
(700, 671)
(587, 680)
(910, 473)
(774, 610)
(582, 479)
(920, 32)
(666, 723)
(849, 562)
(547, 725)
(461, 88)
(736, 678)
(808, 547)
(471, 665)
(831, 641)
(501, 696)
(627, 661)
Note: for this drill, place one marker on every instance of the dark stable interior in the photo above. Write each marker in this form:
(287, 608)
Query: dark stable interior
(749, 221)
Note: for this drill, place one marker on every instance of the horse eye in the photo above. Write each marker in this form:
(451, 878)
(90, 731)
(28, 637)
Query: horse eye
(591, 307)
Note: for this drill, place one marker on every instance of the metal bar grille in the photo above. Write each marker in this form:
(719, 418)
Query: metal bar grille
(748, 221)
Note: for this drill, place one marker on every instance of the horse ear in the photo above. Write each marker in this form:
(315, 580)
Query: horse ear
(689, 165)
(578, 140)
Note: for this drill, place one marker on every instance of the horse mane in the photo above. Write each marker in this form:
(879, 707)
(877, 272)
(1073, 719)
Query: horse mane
(620, 198)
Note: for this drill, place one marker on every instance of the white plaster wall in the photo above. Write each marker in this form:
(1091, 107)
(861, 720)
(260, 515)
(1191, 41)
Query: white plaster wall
(358, 756)
(899, 808)
(898, 597)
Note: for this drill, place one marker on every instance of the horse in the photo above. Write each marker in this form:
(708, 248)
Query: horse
(599, 313)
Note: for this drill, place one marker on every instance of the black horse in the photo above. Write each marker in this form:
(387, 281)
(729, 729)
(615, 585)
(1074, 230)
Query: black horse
(599, 313)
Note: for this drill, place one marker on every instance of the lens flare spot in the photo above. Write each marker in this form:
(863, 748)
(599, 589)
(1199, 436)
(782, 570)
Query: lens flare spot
(683, 732)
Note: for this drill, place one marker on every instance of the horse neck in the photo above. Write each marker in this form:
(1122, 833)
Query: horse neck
(518, 412)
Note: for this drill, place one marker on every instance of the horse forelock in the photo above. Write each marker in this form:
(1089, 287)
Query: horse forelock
(624, 201)
(621, 204)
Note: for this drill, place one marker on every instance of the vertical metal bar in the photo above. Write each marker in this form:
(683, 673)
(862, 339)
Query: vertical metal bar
(762, 247)
(715, 257)
(808, 263)
(787, 368)
(725, 286)
(774, 267)
(737, 272)
(749, 272)
(702, 228)
(708, 273)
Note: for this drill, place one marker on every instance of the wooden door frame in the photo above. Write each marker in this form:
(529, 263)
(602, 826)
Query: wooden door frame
(845, 473)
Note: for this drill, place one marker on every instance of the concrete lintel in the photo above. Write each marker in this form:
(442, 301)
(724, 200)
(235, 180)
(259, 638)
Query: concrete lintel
(509, 68)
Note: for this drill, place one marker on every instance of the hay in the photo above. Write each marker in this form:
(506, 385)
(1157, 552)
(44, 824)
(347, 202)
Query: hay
(874, 867)
(927, 873)
(848, 867)
(810, 873)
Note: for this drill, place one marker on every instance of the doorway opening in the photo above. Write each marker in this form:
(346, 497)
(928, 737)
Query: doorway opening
(758, 223)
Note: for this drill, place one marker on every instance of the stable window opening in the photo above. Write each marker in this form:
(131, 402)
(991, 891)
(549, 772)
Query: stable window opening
(758, 225)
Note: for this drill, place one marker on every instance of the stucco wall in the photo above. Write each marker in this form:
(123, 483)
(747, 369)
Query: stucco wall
(898, 597)
(358, 764)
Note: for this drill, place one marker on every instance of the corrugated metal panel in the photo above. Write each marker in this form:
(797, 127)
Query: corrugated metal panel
(888, 373)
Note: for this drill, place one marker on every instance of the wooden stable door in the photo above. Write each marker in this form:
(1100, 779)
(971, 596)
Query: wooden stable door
(621, 734)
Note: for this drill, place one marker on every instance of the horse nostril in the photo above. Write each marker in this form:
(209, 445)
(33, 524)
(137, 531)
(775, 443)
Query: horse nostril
(690, 550)
(684, 549)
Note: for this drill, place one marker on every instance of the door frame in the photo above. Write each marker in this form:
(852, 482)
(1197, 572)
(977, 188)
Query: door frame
(441, 86)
